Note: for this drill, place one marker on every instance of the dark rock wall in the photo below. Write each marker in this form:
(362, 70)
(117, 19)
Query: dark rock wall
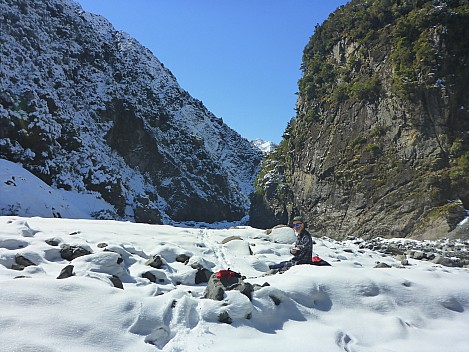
(380, 143)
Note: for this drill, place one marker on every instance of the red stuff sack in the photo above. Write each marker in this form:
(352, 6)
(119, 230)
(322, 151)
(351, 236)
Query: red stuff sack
(226, 274)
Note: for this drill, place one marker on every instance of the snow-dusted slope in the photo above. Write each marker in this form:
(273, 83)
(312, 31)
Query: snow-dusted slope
(24, 194)
(350, 306)
(87, 108)
(264, 146)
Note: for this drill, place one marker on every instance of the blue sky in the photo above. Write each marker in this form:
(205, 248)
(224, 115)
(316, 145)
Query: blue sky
(240, 58)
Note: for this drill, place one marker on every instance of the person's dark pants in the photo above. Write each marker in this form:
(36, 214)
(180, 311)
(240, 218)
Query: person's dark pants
(280, 265)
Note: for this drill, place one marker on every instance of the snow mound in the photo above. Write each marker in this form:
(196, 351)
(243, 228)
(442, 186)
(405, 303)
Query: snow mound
(283, 235)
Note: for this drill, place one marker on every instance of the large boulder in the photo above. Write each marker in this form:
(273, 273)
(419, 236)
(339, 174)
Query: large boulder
(217, 286)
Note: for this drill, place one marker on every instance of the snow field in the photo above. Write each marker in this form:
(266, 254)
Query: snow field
(350, 306)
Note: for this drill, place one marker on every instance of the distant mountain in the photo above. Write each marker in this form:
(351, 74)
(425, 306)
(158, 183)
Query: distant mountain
(380, 142)
(86, 108)
(264, 146)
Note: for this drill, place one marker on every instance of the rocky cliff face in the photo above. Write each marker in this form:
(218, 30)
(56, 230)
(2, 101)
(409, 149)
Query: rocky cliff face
(87, 108)
(380, 143)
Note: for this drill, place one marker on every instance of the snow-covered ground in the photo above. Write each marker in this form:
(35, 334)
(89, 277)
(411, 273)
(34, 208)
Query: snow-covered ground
(349, 306)
(23, 194)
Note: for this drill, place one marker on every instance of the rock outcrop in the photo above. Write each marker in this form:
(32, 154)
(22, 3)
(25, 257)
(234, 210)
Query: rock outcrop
(380, 142)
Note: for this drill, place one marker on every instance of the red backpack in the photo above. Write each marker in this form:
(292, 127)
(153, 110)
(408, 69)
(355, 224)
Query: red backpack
(226, 274)
(316, 260)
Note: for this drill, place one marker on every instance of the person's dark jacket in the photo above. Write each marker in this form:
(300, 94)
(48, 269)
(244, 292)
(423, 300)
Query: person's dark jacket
(304, 254)
(304, 244)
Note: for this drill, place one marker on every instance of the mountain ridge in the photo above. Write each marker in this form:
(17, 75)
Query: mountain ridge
(87, 108)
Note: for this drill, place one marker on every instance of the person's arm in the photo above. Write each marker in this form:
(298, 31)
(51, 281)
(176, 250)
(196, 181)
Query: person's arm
(303, 246)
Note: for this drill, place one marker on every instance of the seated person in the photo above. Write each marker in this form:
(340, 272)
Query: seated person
(303, 250)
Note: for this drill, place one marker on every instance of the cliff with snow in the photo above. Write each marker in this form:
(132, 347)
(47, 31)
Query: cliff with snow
(87, 109)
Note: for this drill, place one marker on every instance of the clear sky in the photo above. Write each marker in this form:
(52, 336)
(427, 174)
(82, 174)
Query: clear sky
(240, 58)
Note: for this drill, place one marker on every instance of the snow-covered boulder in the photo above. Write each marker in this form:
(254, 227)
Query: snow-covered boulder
(283, 234)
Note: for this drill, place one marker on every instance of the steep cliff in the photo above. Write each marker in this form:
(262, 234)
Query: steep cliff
(380, 142)
(87, 108)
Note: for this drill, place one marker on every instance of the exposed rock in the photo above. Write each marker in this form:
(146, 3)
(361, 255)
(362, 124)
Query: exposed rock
(439, 259)
(23, 262)
(447, 252)
(102, 245)
(216, 287)
(275, 299)
(183, 258)
(231, 238)
(66, 272)
(148, 275)
(403, 259)
(271, 272)
(461, 231)
(405, 262)
(245, 288)
(258, 287)
(116, 282)
(156, 277)
(224, 317)
(203, 275)
(382, 265)
(69, 253)
(419, 255)
(155, 262)
(52, 242)
(269, 209)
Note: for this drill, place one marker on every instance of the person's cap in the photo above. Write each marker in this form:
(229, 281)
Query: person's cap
(298, 219)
